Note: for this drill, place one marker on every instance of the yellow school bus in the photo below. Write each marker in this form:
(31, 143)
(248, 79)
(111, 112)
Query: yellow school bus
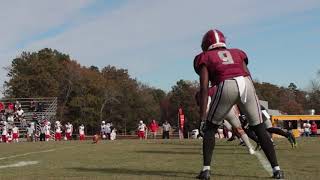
(296, 120)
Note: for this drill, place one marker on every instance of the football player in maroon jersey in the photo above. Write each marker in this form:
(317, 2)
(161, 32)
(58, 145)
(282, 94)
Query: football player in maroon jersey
(231, 118)
(227, 69)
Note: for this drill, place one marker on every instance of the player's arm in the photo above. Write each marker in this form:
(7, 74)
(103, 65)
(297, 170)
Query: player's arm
(204, 84)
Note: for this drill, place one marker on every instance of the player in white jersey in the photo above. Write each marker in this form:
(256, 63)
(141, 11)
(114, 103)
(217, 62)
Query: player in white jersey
(141, 130)
(30, 132)
(4, 132)
(103, 130)
(69, 130)
(81, 133)
(9, 136)
(47, 128)
(15, 133)
(58, 131)
(113, 134)
(108, 130)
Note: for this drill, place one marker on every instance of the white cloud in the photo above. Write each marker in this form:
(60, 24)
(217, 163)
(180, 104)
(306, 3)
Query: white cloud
(21, 19)
(128, 36)
(141, 24)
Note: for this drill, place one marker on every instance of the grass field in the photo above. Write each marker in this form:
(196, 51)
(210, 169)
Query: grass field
(152, 159)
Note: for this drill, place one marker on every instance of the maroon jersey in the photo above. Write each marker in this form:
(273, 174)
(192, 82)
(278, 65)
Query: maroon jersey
(222, 64)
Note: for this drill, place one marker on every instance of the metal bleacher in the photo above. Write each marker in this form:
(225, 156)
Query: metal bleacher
(48, 110)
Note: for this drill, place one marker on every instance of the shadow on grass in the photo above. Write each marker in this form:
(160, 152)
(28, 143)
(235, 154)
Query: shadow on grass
(187, 148)
(229, 151)
(238, 176)
(136, 172)
(167, 152)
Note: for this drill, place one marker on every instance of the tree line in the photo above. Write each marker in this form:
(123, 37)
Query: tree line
(89, 95)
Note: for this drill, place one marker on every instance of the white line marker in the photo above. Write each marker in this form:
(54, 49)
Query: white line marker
(36, 152)
(25, 154)
(19, 164)
(264, 162)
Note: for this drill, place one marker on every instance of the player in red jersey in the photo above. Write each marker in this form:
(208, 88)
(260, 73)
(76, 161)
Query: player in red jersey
(227, 69)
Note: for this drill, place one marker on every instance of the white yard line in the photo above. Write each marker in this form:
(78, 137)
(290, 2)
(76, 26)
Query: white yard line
(25, 154)
(19, 164)
(35, 152)
(264, 162)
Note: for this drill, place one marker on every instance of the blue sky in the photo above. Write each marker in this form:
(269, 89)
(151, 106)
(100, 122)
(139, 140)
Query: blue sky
(157, 40)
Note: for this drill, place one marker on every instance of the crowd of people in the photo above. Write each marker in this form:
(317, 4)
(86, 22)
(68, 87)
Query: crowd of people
(309, 129)
(9, 114)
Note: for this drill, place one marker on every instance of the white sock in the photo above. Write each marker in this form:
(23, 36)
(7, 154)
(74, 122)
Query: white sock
(205, 168)
(276, 168)
(246, 140)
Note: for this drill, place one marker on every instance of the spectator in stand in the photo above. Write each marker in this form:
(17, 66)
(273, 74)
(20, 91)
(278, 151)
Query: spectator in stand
(33, 106)
(81, 133)
(306, 127)
(17, 105)
(40, 107)
(2, 108)
(20, 113)
(58, 131)
(154, 128)
(10, 107)
(15, 133)
(314, 129)
(3, 117)
(166, 127)
(69, 130)
(23, 123)
(34, 117)
(10, 119)
(142, 128)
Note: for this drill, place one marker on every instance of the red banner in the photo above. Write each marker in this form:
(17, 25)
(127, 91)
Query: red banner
(181, 121)
(181, 118)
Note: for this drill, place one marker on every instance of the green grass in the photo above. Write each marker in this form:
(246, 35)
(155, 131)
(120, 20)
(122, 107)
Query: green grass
(153, 159)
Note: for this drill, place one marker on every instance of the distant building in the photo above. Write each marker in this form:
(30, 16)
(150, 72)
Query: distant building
(270, 111)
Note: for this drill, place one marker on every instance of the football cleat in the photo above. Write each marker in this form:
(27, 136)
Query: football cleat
(258, 147)
(204, 175)
(231, 139)
(251, 151)
(278, 175)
